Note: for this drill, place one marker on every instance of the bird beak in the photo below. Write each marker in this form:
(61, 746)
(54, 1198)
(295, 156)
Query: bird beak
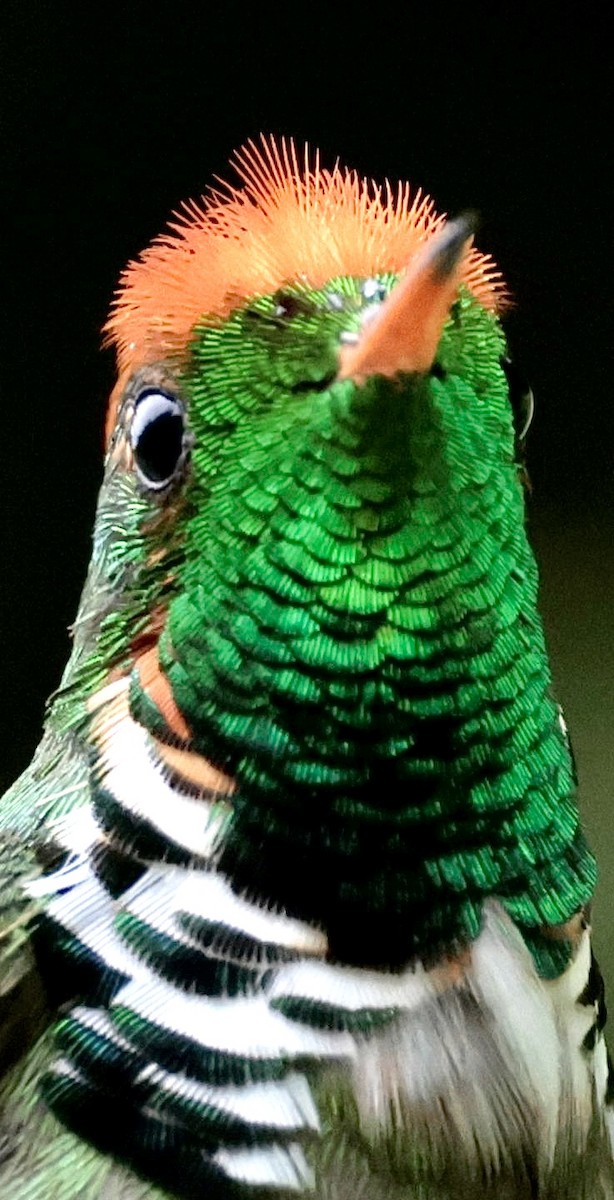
(404, 332)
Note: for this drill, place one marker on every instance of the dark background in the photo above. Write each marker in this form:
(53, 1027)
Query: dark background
(110, 119)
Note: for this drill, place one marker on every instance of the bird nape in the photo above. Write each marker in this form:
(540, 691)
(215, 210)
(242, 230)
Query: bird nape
(294, 899)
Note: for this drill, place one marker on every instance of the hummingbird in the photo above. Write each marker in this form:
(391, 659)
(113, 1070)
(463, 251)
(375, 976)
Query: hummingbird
(294, 895)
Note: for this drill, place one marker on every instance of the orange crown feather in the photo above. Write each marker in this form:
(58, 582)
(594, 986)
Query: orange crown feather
(290, 220)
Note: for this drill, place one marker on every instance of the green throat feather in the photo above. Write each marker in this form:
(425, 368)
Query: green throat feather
(356, 638)
(313, 888)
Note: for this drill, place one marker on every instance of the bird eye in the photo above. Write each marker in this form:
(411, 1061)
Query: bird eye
(521, 399)
(288, 304)
(158, 438)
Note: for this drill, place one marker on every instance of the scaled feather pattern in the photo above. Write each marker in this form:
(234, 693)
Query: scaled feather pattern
(294, 895)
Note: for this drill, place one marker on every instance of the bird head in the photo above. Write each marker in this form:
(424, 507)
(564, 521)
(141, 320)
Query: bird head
(311, 589)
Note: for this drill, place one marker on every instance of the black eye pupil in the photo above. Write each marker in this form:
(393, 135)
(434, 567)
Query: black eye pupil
(157, 437)
(159, 447)
(289, 305)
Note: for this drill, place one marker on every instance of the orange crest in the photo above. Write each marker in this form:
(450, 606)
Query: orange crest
(290, 220)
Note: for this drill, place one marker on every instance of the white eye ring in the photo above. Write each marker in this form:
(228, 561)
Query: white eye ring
(158, 438)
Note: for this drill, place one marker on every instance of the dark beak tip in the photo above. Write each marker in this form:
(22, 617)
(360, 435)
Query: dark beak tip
(470, 218)
(454, 237)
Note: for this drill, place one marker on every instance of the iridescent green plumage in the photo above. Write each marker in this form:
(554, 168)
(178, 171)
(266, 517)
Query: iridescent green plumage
(356, 638)
(299, 853)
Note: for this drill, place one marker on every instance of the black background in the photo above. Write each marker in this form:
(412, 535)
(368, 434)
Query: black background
(111, 118)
